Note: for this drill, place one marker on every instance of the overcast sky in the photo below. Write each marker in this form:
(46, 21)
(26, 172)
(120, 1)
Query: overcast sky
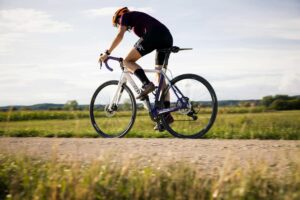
(49, 50)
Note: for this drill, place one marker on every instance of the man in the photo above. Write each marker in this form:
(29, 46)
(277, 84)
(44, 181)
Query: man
(153, 36)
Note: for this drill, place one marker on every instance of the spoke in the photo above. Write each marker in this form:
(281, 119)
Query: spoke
(200, 105)
(120, 119)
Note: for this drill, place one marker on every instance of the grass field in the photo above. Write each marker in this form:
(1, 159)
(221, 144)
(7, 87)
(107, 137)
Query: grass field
(24, 177)
(28, 178)
(230, 124)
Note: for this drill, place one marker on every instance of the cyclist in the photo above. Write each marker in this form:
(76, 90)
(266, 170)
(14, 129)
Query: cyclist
(153, 36)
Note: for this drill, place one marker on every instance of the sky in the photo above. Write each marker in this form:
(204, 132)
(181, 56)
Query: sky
(49, 50)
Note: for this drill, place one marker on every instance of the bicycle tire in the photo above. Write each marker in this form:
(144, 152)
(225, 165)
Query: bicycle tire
(214, 104)
(101, 130)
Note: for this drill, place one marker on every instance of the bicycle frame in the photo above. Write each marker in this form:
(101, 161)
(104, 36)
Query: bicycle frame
(154, 111)
(170, 109)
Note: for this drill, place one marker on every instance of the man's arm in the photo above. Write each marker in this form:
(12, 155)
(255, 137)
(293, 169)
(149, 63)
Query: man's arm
(115, 43)
(118, 38)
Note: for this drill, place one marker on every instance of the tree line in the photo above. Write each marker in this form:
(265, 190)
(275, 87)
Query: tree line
(281, 102)
(275, 102)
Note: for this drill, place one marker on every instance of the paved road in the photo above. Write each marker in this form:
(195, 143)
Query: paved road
(208, 155)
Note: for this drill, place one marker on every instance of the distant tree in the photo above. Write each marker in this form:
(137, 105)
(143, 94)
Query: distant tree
(24, 108)
(294, 104)
(245, 104)
(267, 100)
(71, 105)
(279, 104)
(282, 97)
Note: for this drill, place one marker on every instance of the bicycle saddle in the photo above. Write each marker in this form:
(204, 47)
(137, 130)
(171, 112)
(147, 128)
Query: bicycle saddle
(174, 49)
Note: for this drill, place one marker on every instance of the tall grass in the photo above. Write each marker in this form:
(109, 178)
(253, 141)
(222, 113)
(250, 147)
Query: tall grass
(274, 125)
(28, 178)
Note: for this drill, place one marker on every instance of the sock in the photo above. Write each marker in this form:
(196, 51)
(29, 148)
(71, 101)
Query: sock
(167, 104)
(142, 76)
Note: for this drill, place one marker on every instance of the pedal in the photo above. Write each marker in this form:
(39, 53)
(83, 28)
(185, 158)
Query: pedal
(161, 127)
(192, 115)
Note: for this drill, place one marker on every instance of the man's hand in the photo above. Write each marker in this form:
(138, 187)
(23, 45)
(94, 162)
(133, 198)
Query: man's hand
(103, 57)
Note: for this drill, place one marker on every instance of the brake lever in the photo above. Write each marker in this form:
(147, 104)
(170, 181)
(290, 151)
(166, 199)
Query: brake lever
(100, 61)
(105, 62)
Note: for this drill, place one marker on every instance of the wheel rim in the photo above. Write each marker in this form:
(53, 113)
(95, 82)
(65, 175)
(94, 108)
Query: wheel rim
(197, 117)
(115, 120)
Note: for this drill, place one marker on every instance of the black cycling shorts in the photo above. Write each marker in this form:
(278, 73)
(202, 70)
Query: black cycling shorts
(157, 38)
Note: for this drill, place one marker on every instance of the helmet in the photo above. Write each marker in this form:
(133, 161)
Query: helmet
(118, 14)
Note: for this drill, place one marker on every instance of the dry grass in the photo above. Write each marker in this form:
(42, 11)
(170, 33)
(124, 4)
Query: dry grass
(27, 178)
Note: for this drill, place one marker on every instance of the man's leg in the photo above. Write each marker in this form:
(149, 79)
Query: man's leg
(130, 60)
(133, 67)
(164, 85)
(159, 60)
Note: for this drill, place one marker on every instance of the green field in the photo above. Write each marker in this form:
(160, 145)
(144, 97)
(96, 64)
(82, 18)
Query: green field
(24, 177)
(28, 178)
(231, 123)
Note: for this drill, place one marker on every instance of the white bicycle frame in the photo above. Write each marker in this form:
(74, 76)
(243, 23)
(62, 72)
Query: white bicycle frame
(126, 77)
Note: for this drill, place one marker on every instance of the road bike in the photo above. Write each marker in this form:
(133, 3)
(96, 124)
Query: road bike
(193, 103)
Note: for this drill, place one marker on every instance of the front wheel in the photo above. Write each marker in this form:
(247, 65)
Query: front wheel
(195, 104)
(112, 109)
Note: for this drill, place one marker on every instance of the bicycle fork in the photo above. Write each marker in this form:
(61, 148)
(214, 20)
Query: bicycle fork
(118, 94)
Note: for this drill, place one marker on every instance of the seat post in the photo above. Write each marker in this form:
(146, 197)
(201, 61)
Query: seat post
(166, 59)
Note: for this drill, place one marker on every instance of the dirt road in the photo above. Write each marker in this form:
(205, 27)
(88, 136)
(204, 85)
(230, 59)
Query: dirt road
(208, 155)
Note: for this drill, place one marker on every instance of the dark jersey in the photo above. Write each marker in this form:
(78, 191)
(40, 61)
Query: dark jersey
(140, 22)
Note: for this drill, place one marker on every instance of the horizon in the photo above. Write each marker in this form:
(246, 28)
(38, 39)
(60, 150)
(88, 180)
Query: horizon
(83, 104)
(246, 49)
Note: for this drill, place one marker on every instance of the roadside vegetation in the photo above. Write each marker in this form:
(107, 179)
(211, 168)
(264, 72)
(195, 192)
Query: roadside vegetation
(29, 178)
(272, 117)
(231, 123)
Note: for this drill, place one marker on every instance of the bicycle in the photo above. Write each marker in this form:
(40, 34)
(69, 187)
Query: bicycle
(193, 103)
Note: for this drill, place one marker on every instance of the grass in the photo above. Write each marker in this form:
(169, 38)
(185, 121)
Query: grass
(268, 125)
(41, 115)
(28, 178)
(251, 125)
(25, 115)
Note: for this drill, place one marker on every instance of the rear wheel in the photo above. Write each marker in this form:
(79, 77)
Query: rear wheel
(197, 106)
(112, 118)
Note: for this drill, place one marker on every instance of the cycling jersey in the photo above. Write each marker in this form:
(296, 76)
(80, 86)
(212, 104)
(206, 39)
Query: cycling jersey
(153, 34)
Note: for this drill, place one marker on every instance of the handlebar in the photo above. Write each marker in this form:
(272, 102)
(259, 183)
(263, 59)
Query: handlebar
(110, 58)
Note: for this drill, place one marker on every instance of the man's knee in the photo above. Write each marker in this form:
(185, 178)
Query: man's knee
(158, 67)
(127, 62)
